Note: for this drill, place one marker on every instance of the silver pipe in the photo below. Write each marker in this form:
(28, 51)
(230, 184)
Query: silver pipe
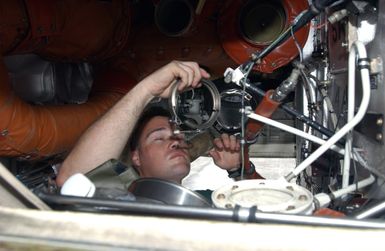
(373, 211)
(325, 114)
(317, 221)
(237, 214)
(286, 87)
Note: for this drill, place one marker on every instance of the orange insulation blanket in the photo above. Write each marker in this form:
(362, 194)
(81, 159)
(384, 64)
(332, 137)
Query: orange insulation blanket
(35, 131)
(266, 108)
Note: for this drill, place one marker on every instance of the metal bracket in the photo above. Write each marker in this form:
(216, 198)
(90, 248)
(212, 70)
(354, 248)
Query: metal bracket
(372, 126)
(376, 71)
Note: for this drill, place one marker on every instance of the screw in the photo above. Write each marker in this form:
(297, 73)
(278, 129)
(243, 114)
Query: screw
(290, 188)
(221, 196)
(380, 122)
(379, 136)
(302, 197)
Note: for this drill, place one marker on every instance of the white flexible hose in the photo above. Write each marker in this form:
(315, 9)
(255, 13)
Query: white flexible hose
(324, 199)
(365, 80)
(353, 187)
(360, 48)
(293, 130)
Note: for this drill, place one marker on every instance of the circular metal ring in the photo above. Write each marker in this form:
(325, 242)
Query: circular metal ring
(269, 196)
(173, 103)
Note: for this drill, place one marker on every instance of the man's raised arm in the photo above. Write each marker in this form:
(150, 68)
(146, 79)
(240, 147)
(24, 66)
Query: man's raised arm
(106, 138)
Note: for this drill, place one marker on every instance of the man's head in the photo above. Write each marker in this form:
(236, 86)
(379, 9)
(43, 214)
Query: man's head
(155, 150)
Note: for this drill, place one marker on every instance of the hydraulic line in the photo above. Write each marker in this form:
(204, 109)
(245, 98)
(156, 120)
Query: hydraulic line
(270, 102)
(360, 49)
(266, 109)
(313, 124)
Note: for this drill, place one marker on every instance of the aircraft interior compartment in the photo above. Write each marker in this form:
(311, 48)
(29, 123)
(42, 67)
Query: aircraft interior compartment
(297, 85)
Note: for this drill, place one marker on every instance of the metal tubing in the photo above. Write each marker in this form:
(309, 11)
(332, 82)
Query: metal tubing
(360, 114)
(316, 221)
(373, 211)
(294, 113)
(351, 105)
(237, 214)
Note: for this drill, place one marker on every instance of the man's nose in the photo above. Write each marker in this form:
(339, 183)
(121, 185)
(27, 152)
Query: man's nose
(175, 142)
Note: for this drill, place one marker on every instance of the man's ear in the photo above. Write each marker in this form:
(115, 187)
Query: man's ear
(135, 158)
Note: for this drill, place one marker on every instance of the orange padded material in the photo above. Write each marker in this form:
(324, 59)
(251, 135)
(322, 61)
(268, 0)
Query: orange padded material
(328, 212)
(63, 30)
(266, 108)
(35, 131)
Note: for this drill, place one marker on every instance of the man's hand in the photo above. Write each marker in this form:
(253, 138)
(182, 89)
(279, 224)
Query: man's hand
(226, 152)
(106, 138)
(159, 83)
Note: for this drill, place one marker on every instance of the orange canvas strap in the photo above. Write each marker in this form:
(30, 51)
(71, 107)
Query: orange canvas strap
(266, 108)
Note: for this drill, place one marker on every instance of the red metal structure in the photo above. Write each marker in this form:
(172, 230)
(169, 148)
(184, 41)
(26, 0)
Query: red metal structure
(218, 34)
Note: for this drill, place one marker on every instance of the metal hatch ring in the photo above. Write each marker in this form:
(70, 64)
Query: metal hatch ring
(173, 103)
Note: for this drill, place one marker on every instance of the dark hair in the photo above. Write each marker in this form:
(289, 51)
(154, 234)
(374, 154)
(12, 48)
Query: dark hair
(146, 116)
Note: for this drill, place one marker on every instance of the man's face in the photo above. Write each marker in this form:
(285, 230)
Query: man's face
(160, 153)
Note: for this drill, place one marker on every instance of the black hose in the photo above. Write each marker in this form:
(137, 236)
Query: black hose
(313, 124)
(317, 7)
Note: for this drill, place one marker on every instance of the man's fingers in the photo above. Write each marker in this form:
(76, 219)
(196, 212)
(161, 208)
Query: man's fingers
(194, 73)
(198, 73)
(180, 72)
(204, 73)
(214, 154)
(226, 141)
(218, 144)
(190, 75)
(233, 143)
(238, 148)
(159, 83)
(229, 142)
